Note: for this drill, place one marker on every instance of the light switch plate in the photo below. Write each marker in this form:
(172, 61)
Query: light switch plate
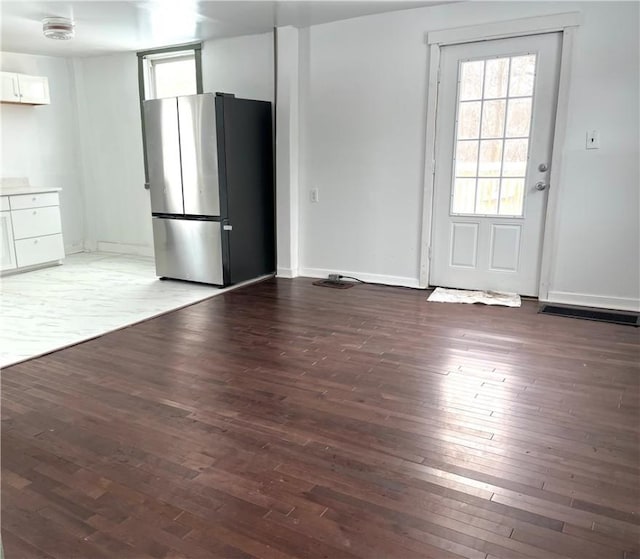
(593, 139)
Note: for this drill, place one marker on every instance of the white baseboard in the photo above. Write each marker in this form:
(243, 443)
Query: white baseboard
(369, 278)
(123, 248)
(90, 246)
(74, 248)
(42, 266)
(596, 301)
(286, 273)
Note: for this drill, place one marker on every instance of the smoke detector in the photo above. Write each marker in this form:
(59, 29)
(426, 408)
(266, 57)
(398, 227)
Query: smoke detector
(60, 28)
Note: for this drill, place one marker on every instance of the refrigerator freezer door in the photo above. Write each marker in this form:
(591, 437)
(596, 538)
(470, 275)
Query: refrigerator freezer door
(197, 117)
(188, 249)
(163, 155)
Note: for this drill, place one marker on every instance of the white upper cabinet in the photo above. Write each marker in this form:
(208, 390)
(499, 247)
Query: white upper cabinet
(22, 88)
(34, 89)
(10, 90)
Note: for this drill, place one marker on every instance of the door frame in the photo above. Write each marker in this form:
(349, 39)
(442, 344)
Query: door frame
(565, 23)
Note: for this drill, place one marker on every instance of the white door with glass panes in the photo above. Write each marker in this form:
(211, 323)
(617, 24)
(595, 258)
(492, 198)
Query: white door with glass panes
(494, 132)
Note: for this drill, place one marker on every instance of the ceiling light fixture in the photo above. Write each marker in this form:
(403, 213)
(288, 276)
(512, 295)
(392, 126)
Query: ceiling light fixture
(60, 28)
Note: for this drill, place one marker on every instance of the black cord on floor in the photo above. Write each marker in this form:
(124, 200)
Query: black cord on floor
(352, 278)
(375, 283)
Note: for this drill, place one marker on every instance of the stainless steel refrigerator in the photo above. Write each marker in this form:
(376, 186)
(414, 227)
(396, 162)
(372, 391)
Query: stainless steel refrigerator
(210, 172)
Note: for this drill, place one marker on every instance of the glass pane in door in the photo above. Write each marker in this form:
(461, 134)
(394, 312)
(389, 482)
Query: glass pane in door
(495, 99)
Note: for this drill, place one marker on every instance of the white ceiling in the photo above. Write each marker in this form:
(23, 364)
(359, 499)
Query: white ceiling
(112, 26)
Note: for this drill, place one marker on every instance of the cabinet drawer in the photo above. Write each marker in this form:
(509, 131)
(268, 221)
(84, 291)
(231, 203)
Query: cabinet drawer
(39, 250)
(36, 222)
(34, 200)
(4, 203)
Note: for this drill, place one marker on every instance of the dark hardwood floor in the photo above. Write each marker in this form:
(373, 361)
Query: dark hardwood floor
(283, 420)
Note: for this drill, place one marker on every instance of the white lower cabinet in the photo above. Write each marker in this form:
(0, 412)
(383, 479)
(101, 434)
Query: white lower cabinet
(39, 250)
(7, 249)
(31, 231)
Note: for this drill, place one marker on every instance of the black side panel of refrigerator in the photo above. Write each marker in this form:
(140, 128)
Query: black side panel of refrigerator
(248, 187)
(224, 188)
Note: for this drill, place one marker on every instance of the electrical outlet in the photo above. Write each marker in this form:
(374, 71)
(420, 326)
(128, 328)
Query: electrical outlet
(314, 195)
(334, 277)
(593, 139)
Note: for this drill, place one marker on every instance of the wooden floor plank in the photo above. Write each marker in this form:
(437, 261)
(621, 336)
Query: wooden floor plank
(283, 420)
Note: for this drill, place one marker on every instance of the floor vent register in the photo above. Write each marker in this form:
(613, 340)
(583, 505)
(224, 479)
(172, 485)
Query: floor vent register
(614, 317)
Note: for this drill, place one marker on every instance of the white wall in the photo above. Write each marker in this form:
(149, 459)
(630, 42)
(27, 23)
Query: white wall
(597, 260)
(363, 137)
(40, 142)
(118, 214)
(239, 65)
(117, 206)
(287, 152)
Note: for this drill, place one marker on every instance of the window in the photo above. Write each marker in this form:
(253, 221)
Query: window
(495, 99)
(168, 72)
(170, 75)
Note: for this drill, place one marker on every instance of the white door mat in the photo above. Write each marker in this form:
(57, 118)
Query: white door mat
(443, 295)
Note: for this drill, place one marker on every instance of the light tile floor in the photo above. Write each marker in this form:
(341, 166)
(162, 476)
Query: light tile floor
(89, 295)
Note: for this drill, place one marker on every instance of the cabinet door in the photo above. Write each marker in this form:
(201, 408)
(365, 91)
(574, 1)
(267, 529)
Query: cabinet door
(33, 89)
(9, 91)
(7, 250)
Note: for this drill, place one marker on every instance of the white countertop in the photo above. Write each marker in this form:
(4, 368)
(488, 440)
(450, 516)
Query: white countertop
(17, 190)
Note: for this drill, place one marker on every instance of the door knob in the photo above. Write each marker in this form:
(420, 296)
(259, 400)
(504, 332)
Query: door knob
(541, 185)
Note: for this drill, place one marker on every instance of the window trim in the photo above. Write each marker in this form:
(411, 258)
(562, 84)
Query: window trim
(142, 80)
(153, 63)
